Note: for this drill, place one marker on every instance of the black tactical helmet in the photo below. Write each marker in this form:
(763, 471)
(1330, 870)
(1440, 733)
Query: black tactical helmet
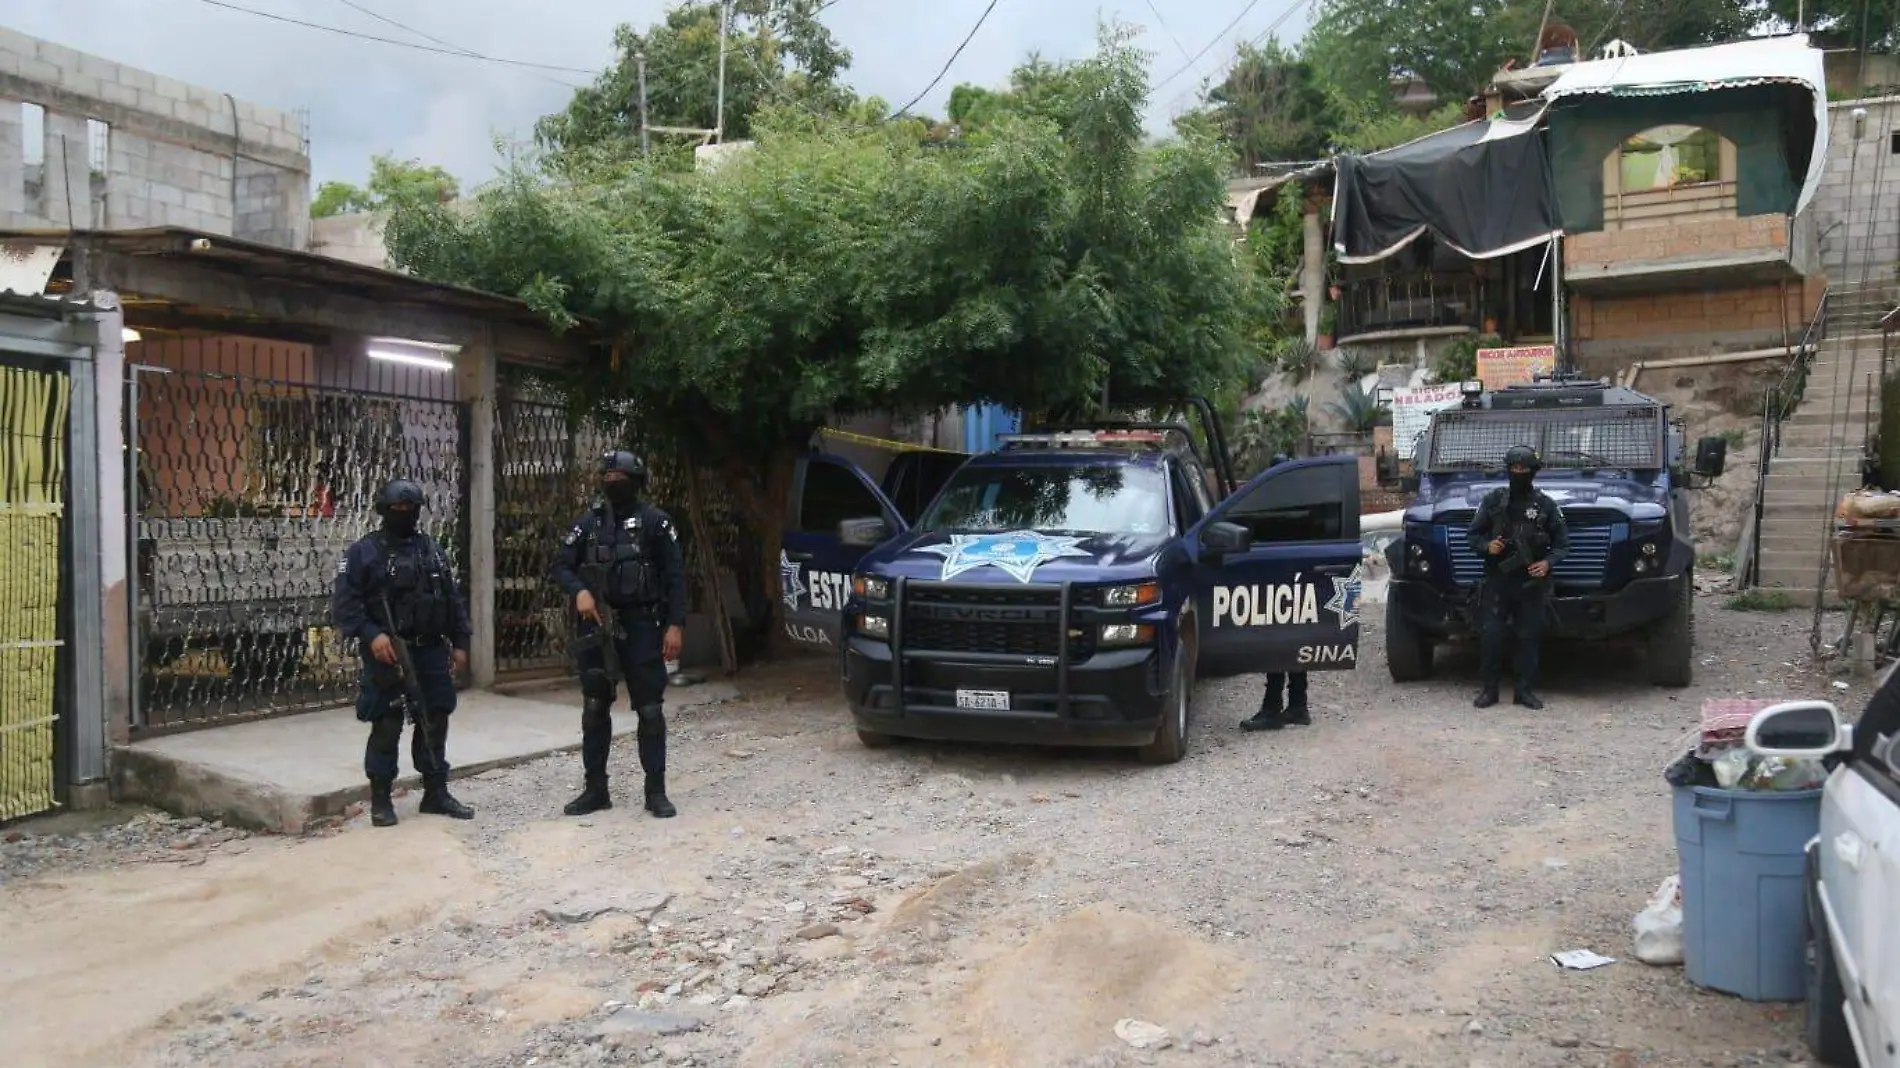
(398, 491)
(625, 463)
(1522, 455)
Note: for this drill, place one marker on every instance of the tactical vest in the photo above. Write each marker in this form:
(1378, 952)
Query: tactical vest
(417, 582)
(619, 561)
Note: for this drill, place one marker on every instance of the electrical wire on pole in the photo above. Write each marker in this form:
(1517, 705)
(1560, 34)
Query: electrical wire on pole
(948, 63)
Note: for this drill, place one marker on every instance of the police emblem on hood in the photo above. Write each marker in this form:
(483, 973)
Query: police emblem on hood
(1017, 554)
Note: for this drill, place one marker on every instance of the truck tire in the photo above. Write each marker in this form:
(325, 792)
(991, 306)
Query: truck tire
(1672, 643)
(1825, 1028)
(1408, 650)
(1170, 743)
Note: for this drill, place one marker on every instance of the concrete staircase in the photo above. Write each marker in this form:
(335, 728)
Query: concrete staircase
(1821, 445)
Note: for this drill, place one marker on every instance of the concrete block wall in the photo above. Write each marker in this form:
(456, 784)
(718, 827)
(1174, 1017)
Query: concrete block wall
(1858, 205)
(356, 237)
(1626, 327)
(1691, 238)
(176, 154)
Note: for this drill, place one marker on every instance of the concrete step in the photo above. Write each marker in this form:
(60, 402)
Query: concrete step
(1804, 542)
(1789, 561)
(1791, 580)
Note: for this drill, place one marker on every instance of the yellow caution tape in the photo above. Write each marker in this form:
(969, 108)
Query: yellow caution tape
(882, 443)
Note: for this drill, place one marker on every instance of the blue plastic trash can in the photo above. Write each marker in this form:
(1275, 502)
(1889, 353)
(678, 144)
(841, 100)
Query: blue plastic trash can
(1742, 857)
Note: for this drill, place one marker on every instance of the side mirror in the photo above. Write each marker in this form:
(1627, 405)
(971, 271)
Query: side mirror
(1809, 729)
(863, 533)
(1221, 539)
(1711, 456)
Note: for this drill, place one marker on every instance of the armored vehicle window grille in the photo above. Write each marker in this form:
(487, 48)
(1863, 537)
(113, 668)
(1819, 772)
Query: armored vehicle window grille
(1628, 438)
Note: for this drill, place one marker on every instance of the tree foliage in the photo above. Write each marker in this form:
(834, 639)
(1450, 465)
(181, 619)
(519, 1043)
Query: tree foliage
(777, 52)
(392, 182)
(838, 269)
(1851, 23)
(1269, 107)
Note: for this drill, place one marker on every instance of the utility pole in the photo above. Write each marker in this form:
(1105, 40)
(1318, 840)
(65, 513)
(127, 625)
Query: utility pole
(640, 58)
(719, 122)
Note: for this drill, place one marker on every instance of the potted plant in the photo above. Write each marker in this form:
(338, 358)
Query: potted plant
(1328, 319)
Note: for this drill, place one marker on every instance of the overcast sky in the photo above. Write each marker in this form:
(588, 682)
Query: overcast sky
(365, 97)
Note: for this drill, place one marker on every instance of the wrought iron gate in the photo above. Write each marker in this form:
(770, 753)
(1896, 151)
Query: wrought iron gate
(247, 492)
(34, 408)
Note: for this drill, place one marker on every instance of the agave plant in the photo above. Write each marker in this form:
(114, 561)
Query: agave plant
(1355, 364)
(1297, 358)
(1359, 410)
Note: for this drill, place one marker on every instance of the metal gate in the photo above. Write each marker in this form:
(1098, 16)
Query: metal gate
(247, 491)
(34, 409)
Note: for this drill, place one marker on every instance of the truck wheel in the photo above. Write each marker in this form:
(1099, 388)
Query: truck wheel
(1826, 1026)
(1408, 651)
(1170, 743)
(1672, 644)
(874, 740)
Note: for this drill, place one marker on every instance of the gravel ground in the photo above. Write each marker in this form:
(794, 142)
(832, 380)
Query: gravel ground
(1382, 888)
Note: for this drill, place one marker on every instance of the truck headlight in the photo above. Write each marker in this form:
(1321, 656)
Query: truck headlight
(1127, 634)
(1649, 548)
(870, 587)
(1131, 596)
(875, 626)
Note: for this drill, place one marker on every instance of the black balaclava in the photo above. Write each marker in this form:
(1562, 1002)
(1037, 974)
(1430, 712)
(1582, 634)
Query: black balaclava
(400, 522)
(622, 494)
(1521, 456)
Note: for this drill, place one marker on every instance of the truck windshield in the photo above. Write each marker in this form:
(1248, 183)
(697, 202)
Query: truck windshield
(1065, 498)
(1623, 438)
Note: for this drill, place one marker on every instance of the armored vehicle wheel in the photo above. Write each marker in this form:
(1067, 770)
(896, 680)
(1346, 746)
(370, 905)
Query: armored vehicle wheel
(1170, 743)
(1672, 643)
(874, 740)
(1408, 651)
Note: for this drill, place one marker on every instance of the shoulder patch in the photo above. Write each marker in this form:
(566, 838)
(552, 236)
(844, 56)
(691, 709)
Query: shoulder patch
(343, 565)
(573, 535)
(672, 531)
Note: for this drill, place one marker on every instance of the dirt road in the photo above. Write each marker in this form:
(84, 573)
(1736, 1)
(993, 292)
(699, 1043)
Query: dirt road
(1382, 888)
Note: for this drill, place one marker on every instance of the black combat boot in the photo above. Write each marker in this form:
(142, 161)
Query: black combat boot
(437, 801)
(1529, 699)
(1486, 697)
(656, 797)
(1298, 715)
(1269, 718)
(382, 810)
(593, 798)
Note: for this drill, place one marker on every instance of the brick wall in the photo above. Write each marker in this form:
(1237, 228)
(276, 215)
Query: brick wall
(1682, 239)
(171, 157)
(1735, 310)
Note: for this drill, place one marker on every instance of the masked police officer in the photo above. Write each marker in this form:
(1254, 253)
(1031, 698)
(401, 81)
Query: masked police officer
(1284, 700)
(1520, 534)
(392, 585)
(622, 565)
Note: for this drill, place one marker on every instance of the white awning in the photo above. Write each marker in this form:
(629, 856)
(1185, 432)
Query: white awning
(1766, 61)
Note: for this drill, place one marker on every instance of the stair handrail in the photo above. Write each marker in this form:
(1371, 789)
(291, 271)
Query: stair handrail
(1777, 404)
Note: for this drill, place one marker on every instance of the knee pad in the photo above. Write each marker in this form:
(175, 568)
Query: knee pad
(652, 722)
(596, 710)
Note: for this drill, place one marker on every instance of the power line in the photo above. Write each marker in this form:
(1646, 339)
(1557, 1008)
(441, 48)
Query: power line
(354, 6)
(1172, 36)
(952, 60)
(399, 44)
(1251, 4)
(1272, 28)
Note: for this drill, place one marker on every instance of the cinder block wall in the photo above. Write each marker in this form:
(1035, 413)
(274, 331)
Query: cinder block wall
(1625, 328)
(174, 154)
(1858, 204)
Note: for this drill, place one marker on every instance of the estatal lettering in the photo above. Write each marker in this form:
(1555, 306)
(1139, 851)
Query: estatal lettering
(807, 635)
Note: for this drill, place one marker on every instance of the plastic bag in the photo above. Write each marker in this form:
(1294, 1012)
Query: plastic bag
(1730, 766)
(1659, 925)
(1785, 773)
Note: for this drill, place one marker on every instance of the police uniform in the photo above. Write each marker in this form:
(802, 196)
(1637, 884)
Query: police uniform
(397, 581)
(626, 554)
(1283, 701)
(1512, 601)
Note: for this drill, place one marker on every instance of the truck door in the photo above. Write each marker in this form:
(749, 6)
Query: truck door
(814, 566)
(1289, 602)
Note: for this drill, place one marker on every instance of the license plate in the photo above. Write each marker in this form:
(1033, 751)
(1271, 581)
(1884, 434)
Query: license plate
(984, 700)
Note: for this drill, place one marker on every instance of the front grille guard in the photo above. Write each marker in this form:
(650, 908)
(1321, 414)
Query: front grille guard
(1065, 608)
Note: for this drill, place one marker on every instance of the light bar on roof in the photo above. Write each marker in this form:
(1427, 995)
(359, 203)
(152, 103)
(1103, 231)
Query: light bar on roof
(1087, 438)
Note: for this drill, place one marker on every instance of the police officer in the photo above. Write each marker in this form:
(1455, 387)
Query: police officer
(395, 583)
(1284, 700)
(621, 562)
(1520, 534)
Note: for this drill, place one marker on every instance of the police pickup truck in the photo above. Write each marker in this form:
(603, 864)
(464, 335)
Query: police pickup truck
(1612, 460)
(1070, 587)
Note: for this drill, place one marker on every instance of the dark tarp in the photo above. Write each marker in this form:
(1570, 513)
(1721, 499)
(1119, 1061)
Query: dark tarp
(1483, 188)
(1771, 126)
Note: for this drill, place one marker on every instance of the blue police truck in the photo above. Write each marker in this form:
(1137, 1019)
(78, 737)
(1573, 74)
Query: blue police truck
(1613, 462)
(1070, 587)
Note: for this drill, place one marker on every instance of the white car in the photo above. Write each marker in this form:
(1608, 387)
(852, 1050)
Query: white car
(1853, 1003)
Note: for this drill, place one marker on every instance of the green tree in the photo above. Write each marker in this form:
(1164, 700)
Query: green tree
(837, 269)
(1842, 20)
(777, 51)
(392, 182)
(1038, 89)
(1269, 107)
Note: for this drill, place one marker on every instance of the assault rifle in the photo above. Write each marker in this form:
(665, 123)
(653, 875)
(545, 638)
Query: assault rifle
(606, 639)
(414, 703)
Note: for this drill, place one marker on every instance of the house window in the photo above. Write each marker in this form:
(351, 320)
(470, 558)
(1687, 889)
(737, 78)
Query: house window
(1668, 157)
